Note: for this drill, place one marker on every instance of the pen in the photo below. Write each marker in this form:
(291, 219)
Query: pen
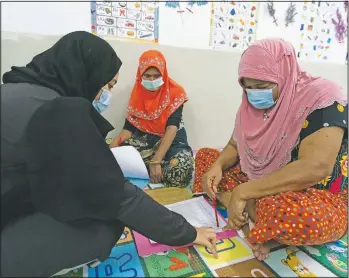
(215, 207)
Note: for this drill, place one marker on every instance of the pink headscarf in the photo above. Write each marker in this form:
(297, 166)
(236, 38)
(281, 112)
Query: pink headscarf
(265, 145)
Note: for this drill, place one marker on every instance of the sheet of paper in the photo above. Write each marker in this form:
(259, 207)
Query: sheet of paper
(156, 185)
(130, 162)
(169, 195)
(199, 213)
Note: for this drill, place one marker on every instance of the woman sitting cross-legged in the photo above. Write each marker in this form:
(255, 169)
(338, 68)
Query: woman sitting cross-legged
(286, 163)
(154, 124)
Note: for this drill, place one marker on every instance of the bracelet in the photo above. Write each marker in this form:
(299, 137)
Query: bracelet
(155, 162)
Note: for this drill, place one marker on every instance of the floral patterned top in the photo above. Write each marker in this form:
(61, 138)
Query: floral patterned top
(334, 115)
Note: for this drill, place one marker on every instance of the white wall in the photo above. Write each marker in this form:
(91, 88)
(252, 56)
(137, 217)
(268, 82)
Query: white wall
(209, 77)
(186, 30)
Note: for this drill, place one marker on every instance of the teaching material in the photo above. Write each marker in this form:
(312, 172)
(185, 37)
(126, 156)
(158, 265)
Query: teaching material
(140, 183)
(169, 195)
(130, 162)
(249, 268)
(233, 24)
(230, 251)
(292, 262)
(198, 212)
(156, 185)
(317, 31)
(122, 262)
(137, 21)
(181, 262)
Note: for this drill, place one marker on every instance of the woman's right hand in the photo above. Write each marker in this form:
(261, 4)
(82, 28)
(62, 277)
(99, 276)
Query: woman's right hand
(211, 179)
(207, 237)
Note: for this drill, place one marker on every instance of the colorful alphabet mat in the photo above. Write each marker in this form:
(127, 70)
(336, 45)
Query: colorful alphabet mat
(235, 260)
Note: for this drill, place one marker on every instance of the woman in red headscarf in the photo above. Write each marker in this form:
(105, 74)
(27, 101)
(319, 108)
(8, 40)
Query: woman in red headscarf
(154, 124)
(286, 163)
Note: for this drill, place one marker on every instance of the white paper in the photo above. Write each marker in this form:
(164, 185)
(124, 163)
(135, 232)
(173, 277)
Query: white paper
(130, 162)
(198, 213)
(156, 185)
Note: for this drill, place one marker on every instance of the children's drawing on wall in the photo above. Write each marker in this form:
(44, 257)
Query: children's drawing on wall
(125, 20)
(233, 24)
(184, 8)
(321, 25)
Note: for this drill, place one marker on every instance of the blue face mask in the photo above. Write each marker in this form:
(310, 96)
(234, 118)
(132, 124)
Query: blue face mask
(103, 102)
(152, 85)
(260, 98)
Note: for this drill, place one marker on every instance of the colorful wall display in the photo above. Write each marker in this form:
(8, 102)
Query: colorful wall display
(125, 20)
(318, 29)
(233, 24)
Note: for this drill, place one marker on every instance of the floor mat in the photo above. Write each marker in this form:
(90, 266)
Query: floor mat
(236, 259)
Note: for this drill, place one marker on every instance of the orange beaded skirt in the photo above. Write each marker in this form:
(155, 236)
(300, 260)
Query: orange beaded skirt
(308, 217)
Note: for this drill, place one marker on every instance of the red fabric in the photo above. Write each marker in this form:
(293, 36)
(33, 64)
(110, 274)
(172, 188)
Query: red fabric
(308, 217)
(149, 111)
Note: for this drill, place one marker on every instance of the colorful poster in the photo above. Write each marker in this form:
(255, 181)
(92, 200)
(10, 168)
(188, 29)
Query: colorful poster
(292, 262)
(317, 31)
(233, 24)
(180, 262)
(333, 256)
(250, 268)
(122, 262)
(230, 251)
(125, 20)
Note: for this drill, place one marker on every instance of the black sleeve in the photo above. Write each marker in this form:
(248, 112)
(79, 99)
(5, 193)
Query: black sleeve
(334, 115)
(72, 173)
(130, 127)
(176, 117)
(147, 217)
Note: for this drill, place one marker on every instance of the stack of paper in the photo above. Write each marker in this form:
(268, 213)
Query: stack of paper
(132, 165)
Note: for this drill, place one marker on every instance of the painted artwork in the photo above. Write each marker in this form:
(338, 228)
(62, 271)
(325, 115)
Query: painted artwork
(126, 236)
(292, 262)
(122, 262)
(233, 24)
(332, 255)
(180, 262)
(317, 30)
(230, 251)
(249, 268)
(125, 20)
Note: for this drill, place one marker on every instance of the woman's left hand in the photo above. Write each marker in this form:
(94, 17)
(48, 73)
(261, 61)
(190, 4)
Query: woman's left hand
(155, 173)
(236, 218)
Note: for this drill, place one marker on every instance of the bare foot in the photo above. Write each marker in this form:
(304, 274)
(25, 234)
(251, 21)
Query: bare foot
(260, 251)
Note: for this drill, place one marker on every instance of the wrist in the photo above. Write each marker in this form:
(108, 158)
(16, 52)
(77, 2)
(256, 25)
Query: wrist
(157, 157)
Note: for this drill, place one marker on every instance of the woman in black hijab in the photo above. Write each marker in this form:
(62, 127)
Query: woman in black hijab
(61, 186)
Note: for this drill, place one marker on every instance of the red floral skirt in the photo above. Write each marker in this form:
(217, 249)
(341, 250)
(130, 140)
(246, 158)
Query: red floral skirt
(308, 217)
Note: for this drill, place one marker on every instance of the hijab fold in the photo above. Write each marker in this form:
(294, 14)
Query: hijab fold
(77, 65)
(149, 111)
(265, 145)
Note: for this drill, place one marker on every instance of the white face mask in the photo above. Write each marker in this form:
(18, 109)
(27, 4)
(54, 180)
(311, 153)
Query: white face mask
(152, 85)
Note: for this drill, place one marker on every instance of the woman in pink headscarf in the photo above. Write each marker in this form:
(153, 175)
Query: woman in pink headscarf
(285, 167)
